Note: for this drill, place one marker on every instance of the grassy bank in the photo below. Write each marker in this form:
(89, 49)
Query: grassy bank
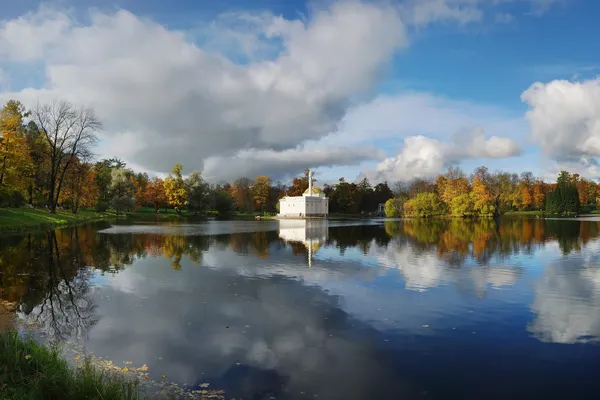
(25, 219)
(31, 371)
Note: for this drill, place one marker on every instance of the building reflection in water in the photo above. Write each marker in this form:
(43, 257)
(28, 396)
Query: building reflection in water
(311, 233)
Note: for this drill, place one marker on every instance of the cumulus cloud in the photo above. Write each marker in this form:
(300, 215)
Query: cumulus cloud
(424, 157)
(186, 104)
(565, 118)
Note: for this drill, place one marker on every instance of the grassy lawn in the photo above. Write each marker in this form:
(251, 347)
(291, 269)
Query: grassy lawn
(20, 219)
(31, 371)
(524, 213)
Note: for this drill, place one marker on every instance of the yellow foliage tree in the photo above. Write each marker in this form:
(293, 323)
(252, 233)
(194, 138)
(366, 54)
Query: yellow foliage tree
(261, 191)
(15, 161)
(175, 189)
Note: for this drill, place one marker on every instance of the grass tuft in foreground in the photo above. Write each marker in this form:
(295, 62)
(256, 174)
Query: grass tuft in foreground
(32, 371)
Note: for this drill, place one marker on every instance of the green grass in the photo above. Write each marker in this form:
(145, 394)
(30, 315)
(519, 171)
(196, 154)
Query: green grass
(21, 219)
(29, 371)
(524, 213)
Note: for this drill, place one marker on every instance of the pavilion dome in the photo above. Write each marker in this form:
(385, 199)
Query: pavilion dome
(315, 192)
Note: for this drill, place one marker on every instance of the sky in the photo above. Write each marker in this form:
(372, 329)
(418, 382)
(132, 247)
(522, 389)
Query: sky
(389, 90)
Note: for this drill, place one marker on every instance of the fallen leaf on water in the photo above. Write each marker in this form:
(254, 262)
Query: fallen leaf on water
(424, 326)
(125, 369)
(143, 368)
(127, 362)
(164, 376)
(77, 358)
(204, 385)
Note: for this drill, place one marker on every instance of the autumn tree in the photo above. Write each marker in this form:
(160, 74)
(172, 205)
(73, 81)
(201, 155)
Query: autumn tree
(15, 160)
(79, 188)
(175, 189)
(452, 184)
(70, 133)
(299, 186)
(242, 194)
(260, 191)
(38, 173)
(155, 194)
(539, 194)
(482, 197)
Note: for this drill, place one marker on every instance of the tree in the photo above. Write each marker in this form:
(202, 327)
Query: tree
(299, 185)
(382, 193)
(564, 198)
(424, 205)
(122, 189)
(463, 205)
(38, 174)
(70, 133)
(155, 194)
(539, 194)
(260, 191)
(175, 189)
(198, 194)
(80, 188)
(223, 203)
(241, 193)
(15, 160)
(481, 194)
(394, 207)
(452, 184)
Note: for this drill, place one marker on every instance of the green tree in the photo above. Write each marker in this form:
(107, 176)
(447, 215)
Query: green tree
(198, 194)
(424, 205)
(223, 202)
(565, 197)
(463, 205)
(122, 189)
(394, 207)
(175, 189)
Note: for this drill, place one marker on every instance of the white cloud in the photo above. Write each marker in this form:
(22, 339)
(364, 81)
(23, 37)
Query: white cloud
(27, 38)
(185, 104)
(565, 117)
(410, 114)
(424, 157)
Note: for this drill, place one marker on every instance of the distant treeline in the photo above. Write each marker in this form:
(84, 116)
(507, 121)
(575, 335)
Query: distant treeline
(46, 160)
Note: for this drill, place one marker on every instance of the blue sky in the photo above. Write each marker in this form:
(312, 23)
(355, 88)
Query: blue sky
(271, 87)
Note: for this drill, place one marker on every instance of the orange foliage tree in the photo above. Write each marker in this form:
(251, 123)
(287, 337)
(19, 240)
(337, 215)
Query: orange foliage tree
(155, 194)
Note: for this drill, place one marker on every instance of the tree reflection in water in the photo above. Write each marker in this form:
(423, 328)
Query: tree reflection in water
(50, 275)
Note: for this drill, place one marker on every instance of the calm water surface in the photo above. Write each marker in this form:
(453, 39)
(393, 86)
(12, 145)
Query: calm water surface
(296, 310)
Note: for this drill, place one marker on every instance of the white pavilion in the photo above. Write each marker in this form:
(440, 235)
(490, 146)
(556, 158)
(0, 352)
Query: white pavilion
(312, 203)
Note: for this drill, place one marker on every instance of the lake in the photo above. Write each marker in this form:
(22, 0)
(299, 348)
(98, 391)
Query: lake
(404, 309)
